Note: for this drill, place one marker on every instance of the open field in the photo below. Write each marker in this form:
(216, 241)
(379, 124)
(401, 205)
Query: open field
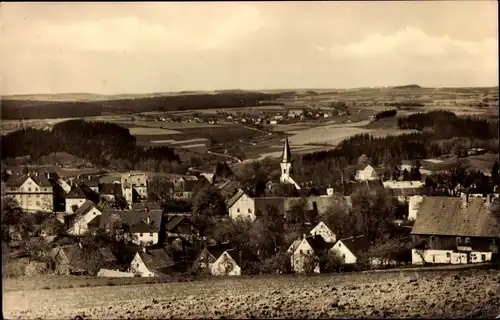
(483, 162)
(445, 294)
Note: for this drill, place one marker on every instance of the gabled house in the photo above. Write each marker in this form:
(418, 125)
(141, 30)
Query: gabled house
(74, 199)
(186, 188)
(151, 263)
(305, 253)
(350, 249)
(455, 230)
(225, 265)
(209, 254)
(110, 190)
(78, 222)
(322, 230)
(241, 206)
(69, 260)
(181, 227)
(144, 225)
(367, 173)
(33, 192)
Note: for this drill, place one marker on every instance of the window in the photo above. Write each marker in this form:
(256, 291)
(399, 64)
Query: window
(44, 189)
(151, 234)
(29, 189)
(249, 210)
(238, 210)
(343, 256)
(140, 234)
(38, 196)
(340, 244)
(38, 203)
(300, 251)
(12, 189)
(483, 257)
(433, 238)
(459, 240)
(448, 255)
(94, 213)
(467, 240)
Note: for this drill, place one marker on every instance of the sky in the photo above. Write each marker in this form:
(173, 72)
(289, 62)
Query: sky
(126, 48)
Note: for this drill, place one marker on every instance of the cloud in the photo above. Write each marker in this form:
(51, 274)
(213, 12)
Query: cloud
(412, 41)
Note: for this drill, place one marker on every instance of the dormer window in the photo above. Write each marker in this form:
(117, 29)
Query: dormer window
(459, 240)
(467, 240)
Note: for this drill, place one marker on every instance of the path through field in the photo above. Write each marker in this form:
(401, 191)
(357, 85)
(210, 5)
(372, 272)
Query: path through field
(444, 294)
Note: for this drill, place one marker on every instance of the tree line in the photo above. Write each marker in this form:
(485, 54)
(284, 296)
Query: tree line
(101, 143)
(386, 114)
(22, 109)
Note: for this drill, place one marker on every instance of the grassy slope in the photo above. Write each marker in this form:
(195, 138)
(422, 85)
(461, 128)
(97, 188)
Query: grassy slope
(472, 293)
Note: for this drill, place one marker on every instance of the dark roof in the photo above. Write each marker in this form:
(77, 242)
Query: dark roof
(156, 259)
(17, 181)
(90, 181)
(145, 206)
(356, 245)
(175, 221)
(318, 243)
(130, 217)
(228, 188)
(261, 204)
(75, 257)
(235, 197)
(449, 216)
(478, 190)
(77, 193)
(142, 227)
(111, 188)
(219, 249)
(286, 155)
(85, 207)
(407, 192)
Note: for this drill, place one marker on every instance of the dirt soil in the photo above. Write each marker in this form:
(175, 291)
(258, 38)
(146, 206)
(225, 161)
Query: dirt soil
(443, 294)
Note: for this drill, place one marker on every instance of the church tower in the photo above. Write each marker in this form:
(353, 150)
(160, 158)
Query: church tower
(286, 163)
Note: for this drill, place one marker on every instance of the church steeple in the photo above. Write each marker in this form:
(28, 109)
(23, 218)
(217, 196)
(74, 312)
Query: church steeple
(287, 155)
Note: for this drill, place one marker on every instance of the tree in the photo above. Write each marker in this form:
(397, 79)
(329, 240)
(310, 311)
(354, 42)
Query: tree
(330, 261)
(38, 249)
(298, 211)
(208, 205)
(495, 173)
(373, 212)
(120, 202)
(160, 189)
(406, 175)
(338, 217)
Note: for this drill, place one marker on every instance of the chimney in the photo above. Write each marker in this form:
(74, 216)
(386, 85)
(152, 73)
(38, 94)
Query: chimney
(144, 249)
(304, 236)
(147, 220)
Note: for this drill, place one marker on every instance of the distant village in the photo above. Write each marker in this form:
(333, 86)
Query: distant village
(455, 230)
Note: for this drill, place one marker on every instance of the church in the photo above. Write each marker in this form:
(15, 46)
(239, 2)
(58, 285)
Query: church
(286, 166)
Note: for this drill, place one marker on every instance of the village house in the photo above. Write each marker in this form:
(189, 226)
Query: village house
(151, 263)
(69, 260)
(186, 187)
(225, 265)
(455, 230)
(322, 230)
(110, 190)
(145, 226)
(74, 199)
(305, 253)
(138, 182)
(241, 206)
(350, 249)
(91, 181)
(79, 221)
(181, 227)
(367, 173)
(33, 192)
(210, 254)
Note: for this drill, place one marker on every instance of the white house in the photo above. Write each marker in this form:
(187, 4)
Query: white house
(240, 206)
(325, 232)
(349, 249)
(108, 273)
(302, 252)
(87, 212)
(74, 199)
(368, 173)
(453, 230)
(225, 266)
(413, 206)
(144, 232)
(33, 192)
(151, 263)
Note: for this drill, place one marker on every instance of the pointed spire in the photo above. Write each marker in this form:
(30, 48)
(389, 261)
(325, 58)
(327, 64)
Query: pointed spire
(287, 155)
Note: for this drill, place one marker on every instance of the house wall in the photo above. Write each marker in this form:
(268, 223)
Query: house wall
(244, 207)
(480, 244)
(32, 197)
(142, 191)
(346, 255)
(325, 232)
(366, 174)
(146, 238)
(413, 206)
(138, 267)
(81, 226)
(449, 256)
(70, 202)
(402, 184)
(127, 194)
(218, 267)
(299, 258)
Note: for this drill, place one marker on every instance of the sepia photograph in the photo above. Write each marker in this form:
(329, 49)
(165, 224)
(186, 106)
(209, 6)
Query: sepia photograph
(250, 160)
